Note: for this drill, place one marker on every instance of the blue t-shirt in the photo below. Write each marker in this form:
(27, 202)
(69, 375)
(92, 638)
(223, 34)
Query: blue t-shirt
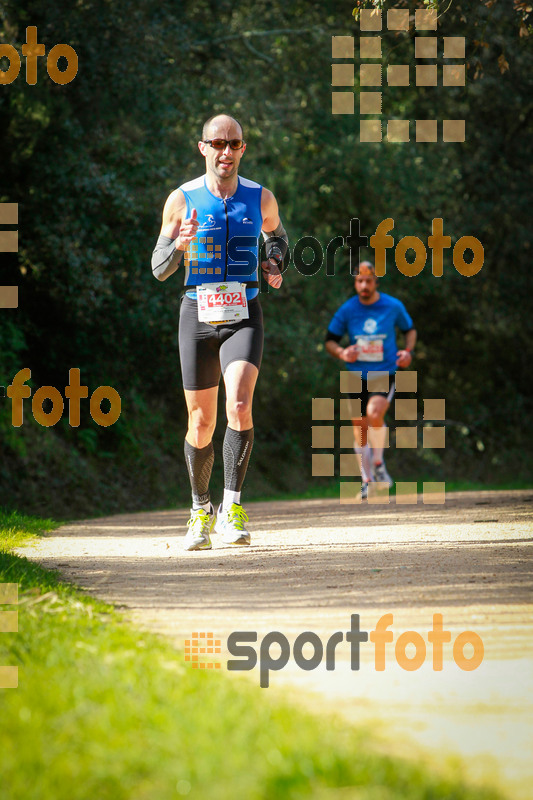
(216, 255)
(372, 327)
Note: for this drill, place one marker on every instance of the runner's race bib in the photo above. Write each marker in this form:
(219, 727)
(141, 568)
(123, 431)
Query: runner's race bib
(222, 302)
(370, 349)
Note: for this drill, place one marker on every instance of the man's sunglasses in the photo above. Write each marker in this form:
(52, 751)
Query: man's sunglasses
(221, 144)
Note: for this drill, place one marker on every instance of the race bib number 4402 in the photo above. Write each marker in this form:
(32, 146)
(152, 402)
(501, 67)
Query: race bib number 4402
(224, 302)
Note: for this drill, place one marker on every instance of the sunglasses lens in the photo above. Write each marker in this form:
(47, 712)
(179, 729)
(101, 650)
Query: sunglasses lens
(221, 144)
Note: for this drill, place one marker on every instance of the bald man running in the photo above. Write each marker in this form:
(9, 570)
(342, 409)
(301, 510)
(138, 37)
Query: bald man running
(214, 223)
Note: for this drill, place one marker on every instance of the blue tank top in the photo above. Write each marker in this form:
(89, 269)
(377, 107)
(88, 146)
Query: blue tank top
(226, 246)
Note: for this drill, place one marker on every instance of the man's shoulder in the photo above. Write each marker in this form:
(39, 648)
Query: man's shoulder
(196, 183)
(248, 184)
(389, 300)
(350, 304)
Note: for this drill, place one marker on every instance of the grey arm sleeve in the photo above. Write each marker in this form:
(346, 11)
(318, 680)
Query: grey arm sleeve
(165, 258)
(276, 242)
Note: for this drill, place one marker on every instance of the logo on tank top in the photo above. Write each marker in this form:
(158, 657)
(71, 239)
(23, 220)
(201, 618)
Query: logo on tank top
(247, 221)
(209, 224)
(370, 326)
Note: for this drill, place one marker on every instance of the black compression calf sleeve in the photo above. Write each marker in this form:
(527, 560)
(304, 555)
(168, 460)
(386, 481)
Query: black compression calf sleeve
(199, 463)
(236, 451)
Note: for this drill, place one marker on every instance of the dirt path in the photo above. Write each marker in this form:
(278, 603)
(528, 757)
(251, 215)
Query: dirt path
(312, 565)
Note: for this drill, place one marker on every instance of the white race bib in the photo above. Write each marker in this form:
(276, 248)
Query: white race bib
(370, 349)
(222, 302)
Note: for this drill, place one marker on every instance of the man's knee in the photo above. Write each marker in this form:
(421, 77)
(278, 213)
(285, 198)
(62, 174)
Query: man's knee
(375, 419)
(201, 425)
(239, 409)
(375, 411)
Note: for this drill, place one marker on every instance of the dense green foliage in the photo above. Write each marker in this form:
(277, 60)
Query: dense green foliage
(91, 163)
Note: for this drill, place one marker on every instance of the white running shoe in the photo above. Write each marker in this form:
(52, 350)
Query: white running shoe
(381, 474)
(199, 527)
(230, 523)
(364, 490)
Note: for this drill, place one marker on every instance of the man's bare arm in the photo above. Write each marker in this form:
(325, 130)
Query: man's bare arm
(404, 356)
(349, 354)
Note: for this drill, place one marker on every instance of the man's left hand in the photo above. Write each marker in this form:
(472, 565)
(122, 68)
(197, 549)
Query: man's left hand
(403, 359)
(272, 274)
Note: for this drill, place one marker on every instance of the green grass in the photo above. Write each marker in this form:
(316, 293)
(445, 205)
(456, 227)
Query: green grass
(16, 529)
(103, 712)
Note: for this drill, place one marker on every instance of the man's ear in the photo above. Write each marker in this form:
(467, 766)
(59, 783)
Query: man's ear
(202, 147)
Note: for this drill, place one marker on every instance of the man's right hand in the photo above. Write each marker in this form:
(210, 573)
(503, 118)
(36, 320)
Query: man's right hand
(188, 231)
(349, 354)
(272, 273)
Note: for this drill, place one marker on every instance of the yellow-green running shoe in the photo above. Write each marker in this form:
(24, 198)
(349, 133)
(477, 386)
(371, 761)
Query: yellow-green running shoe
(230, 523)
(199, 527)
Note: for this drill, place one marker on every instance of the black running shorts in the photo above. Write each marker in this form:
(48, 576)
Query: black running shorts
(365, 395)
(207, 350)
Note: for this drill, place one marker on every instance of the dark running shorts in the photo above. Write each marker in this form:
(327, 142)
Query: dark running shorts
(365, 395)
(207, 350)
